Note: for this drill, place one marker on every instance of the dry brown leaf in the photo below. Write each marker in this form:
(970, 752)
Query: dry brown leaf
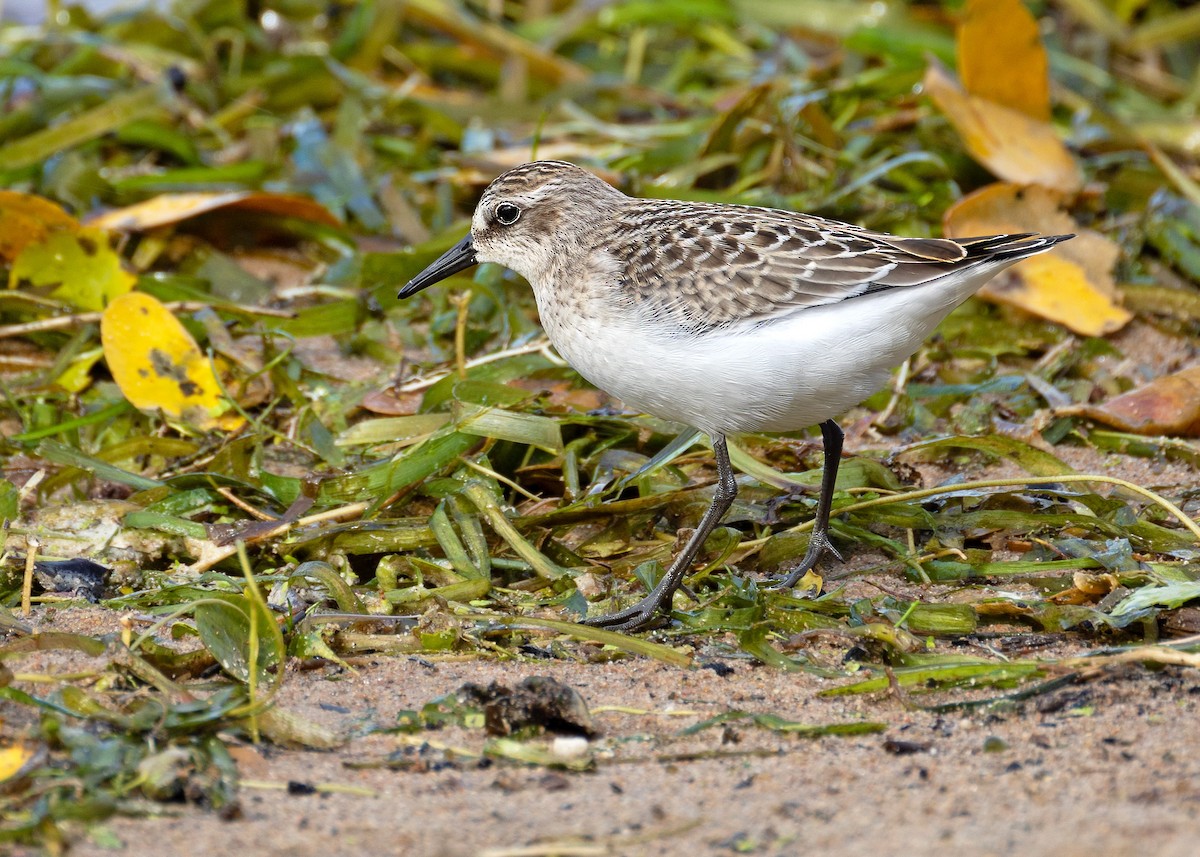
(1167, 405)
(1001, 57)
(1014, 146)
(322, 355)
(27, 219)
(564, 394)
(1071, 284)
(391, 403)
(172, 208)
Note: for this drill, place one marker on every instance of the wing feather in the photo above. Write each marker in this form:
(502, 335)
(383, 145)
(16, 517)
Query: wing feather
(706, 266)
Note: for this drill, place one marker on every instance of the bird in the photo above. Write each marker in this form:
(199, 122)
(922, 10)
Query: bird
(726, 318)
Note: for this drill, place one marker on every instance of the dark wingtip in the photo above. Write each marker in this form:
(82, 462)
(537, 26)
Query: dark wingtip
(1015, 245)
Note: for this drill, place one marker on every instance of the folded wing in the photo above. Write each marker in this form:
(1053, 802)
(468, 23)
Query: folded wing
(710, 266)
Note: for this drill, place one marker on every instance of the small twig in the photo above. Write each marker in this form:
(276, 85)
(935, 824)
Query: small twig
(220, 553)
(1066, 478)
(246, 507)
(898, 691)
(463, 302)
(1155, 654)
(644, 712)
(914, 561)
(64, 322)
(43, 324)
(540, 345)
(31, 545)
(501, 478)
(334, 514)
(30, 486)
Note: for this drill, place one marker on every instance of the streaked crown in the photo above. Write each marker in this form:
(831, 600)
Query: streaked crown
(534, 214)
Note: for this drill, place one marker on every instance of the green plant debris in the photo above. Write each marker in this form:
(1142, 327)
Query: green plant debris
(775, 723)
(429, 479)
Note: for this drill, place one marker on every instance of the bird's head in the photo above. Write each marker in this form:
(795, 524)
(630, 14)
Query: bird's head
(526, 219)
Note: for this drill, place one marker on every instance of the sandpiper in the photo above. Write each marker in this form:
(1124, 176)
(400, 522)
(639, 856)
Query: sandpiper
(728, 318)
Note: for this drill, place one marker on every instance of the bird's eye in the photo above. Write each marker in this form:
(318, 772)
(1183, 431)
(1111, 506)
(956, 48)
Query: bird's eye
(507, 214)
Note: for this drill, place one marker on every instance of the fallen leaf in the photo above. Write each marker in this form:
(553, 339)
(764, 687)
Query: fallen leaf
(14, 759)
(564, 394)
(1058, 289)
(321, 354)
(1013, 145)
(1071, 284)
(1095, 583)
(173, 208)
(1001, 57)
(158, 365)
(1088, 588)
(392, 403)
(27, 219)
(77, 377)
(77, 267)
(1168, 405)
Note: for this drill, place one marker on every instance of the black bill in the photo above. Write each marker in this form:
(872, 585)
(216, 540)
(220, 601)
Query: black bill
(458, 258)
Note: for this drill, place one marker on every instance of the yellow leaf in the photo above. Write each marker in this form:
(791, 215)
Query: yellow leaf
(1071, 284)
(1014, 146)
(1095, 584)
(1001, 57)
(26, 219)
(77, 377)
(811, 582)
(78, 267)
(176, 207)
(1057, 289)
(13, 759)
(158, 365)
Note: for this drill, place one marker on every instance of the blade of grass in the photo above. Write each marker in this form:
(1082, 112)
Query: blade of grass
(499, 424)
(100, 120)
(60, 453)
(482, 498)
(633, 645)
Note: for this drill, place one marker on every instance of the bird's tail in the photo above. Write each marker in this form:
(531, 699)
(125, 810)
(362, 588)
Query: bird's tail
(1012, 246)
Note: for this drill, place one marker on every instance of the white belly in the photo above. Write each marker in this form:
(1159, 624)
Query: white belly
(786, 375)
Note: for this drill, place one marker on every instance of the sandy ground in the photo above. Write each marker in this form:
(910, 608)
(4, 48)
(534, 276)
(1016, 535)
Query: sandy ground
(1104, 767)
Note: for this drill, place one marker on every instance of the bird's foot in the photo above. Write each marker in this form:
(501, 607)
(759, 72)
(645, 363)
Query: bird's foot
(817, 545)
(773, 508)
(641, 616)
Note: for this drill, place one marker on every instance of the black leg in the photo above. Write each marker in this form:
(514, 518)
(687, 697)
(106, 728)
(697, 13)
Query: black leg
(643, 613)
(818, 543)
